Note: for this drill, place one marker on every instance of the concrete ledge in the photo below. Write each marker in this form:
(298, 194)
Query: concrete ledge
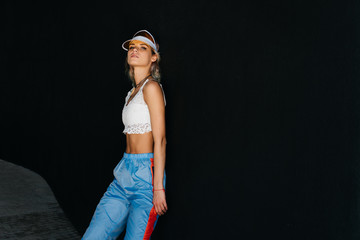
(28, 208)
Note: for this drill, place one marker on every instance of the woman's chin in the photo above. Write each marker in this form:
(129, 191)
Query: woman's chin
(136, 64)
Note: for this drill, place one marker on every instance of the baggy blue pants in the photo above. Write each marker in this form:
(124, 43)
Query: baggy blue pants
(127, 202)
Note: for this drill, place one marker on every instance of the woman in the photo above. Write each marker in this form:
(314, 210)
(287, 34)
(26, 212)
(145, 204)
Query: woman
(136, 197)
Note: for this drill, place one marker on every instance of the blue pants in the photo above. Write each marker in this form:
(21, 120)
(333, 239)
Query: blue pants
(127, 202)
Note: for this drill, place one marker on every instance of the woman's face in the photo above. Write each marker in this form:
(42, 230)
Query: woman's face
(140, 54)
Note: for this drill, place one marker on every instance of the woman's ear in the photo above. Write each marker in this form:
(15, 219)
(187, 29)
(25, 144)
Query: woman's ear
(153, 58)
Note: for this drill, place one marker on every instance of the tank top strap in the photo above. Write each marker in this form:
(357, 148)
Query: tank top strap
(141, 88)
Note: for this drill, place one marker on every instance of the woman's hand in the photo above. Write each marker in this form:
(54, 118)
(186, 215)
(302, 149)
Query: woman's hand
(159, 202)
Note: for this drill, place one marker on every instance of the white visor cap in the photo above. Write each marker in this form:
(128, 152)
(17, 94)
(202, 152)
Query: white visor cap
(138, 36)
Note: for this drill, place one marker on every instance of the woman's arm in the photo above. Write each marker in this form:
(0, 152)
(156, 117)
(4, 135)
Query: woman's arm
(154, 98)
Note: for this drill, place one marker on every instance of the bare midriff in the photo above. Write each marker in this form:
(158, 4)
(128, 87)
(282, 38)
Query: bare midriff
(139, 143)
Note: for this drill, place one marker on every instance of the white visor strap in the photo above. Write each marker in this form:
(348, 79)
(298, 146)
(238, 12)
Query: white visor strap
(145, 40)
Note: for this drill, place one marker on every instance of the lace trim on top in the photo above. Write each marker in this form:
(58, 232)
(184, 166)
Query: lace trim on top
(138, 128)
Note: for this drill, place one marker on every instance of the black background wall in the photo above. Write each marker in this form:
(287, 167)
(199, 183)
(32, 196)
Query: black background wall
(262, 110)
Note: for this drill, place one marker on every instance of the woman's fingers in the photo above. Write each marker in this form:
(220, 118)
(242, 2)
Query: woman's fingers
(160, 208)
(165, 208)
(160, 203)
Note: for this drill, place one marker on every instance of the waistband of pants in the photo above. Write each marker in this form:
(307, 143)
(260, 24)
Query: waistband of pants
(138, 155)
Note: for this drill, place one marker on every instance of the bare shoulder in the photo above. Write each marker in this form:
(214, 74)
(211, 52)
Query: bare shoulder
(152, 88)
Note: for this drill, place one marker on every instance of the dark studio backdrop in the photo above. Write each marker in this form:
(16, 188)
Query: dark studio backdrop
(262, 110)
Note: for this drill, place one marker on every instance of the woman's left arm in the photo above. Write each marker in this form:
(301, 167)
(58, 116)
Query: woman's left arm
(153, 96)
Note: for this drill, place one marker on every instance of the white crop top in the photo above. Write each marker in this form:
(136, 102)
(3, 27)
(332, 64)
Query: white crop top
(135, 115)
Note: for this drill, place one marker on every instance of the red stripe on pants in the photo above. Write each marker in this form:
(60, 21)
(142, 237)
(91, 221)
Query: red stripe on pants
(150, 225)
(152, 170)
(153, 215)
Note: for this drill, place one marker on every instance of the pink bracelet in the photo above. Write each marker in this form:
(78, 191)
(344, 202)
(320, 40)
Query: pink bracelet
(159, 189)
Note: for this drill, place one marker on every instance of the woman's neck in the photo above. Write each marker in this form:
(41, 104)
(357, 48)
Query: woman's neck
(140, 74)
